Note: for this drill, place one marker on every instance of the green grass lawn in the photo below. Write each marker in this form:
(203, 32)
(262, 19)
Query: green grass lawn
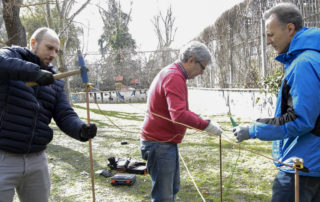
(246, 176)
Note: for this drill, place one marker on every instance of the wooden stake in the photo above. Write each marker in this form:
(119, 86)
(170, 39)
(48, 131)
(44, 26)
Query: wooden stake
(90, 145)
(296, 186)
(220, 159)
(297, 164)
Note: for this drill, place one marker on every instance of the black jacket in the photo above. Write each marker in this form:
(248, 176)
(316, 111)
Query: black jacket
(26, 112)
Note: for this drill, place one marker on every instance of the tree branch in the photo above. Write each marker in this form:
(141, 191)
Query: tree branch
(70, 20)
(35, 4)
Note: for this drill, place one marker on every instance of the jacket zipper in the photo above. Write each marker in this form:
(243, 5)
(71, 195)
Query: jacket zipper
(1, 117)
(34, 121)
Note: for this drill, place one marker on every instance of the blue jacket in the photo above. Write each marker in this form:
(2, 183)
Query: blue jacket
(295, 129)
(26, 112)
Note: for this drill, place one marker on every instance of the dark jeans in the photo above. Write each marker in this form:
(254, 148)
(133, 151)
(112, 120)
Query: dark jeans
(163, 167)
(283, 188)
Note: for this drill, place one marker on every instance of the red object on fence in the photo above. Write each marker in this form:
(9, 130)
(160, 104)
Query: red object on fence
(134, 81)
(118, 78)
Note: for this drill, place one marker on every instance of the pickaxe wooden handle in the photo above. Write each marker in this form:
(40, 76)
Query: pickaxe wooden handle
(58, 76)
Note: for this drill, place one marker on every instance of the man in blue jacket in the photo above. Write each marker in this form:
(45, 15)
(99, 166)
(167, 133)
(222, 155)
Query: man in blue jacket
(295, 128)
(25, 115)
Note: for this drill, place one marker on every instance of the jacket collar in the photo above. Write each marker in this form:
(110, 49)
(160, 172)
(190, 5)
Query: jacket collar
(29, 56)
(182, 69)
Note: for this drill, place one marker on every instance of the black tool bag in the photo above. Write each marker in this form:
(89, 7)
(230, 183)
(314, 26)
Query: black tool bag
(127, 165)
(137, 167)
(123, 179)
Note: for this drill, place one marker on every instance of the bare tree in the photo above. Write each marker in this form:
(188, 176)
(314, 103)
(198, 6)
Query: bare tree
(165, 30)
(166, 34)
(3, 33)
(15, 30)
(65, 18)
(48, 15)
(235, 41)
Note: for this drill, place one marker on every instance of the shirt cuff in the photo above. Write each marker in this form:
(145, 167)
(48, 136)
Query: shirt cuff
(251, 132)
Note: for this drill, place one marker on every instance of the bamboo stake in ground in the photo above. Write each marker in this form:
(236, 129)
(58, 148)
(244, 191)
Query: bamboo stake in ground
(297, 165)
(220, 158)
(296, 186)
(90, 145)
(85, 80)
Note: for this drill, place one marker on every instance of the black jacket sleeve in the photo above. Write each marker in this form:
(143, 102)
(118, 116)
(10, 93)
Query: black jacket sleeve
(13, 67)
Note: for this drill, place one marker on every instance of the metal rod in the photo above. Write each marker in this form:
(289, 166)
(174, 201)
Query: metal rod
(90, 145)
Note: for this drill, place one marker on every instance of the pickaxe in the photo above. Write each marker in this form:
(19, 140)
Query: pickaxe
(82, 70)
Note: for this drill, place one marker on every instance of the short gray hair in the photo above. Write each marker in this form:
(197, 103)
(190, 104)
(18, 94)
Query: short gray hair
(40, 32)
(286, 13)
(196, 49)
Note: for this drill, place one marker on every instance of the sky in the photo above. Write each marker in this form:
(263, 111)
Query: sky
(191, 17)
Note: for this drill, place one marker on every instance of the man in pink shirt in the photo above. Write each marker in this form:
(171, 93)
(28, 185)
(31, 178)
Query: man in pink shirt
(167, 108)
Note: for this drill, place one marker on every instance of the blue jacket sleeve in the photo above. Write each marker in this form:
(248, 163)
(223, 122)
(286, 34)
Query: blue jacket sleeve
(303, 82)
(14, 68)
(65, 117)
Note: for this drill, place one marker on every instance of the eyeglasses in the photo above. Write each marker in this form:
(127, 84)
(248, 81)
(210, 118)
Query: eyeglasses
(202, 67)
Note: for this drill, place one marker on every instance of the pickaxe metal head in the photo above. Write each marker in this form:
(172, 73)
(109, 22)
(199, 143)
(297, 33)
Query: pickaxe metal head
(83, 71)
(82, 65)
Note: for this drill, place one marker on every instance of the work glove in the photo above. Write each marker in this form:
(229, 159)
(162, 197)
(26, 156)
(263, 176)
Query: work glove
(44, 78)
(88, 131)
(213, 128)
(241, 132)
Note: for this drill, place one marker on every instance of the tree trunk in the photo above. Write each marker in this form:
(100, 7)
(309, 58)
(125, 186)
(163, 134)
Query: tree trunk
(63, 23)
(15, 31)
(48, 15)
(62, 68)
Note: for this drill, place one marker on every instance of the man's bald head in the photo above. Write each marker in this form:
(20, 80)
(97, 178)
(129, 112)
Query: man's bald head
(45, 43)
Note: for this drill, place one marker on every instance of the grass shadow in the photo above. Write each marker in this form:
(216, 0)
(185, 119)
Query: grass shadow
(76, 159)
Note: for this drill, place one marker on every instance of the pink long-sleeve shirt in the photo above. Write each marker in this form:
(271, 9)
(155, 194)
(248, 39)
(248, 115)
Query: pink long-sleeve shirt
(168, 97)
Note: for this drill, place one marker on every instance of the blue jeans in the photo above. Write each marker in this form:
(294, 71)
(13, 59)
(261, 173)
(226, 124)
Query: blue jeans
(163, 167)
(283, 188)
